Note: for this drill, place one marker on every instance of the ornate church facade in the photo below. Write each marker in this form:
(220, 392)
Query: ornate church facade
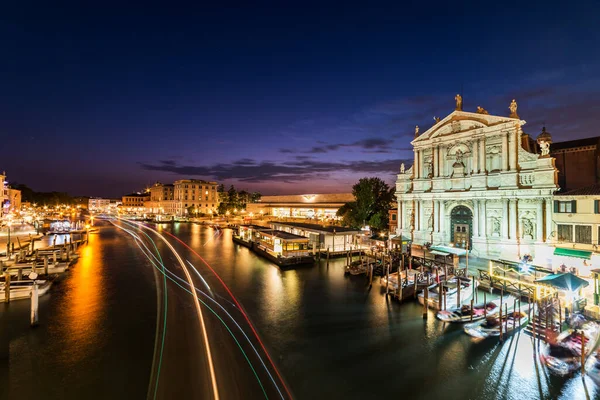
(473, 184)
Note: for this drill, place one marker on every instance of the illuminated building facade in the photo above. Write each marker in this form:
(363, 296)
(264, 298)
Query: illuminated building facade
(474, 183)
(199, 196)
(305, 206)
(133, 203)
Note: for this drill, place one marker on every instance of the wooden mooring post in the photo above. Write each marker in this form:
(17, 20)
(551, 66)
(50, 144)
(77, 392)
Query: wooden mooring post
(425, 302)
(484, 305)
(500, 320)
(472, 309)
(46, 265)
(34, 304)
(327, 256)
(582, 352)
(7, 286)
(458, 285)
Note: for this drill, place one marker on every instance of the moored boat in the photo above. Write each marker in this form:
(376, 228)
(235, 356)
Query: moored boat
(450, 288)
(464, 313)
(563, 357)
(22, 289)
(490, 326)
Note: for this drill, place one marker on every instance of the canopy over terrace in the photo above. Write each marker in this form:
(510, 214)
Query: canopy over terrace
(564, 281)
(332, 237)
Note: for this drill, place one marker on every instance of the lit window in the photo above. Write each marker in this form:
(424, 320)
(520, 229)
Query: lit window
(565, 233)
(583, 234)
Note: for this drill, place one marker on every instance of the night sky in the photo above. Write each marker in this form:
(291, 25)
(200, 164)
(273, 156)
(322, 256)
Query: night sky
(281, 99)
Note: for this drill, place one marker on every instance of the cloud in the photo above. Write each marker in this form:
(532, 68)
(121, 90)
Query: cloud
(380, 144)
(300, 169)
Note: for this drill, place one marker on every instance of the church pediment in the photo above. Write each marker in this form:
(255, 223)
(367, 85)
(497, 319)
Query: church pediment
(460, 122)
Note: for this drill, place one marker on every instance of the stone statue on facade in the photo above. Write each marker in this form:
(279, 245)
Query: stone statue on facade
(544, 140)
(495, 226)
(459, 102)
(402, 168)
(459, 156)
(416, 131)
(527, 228)
(481, 110)
(513, 109)
(412, 219)
(430, 222)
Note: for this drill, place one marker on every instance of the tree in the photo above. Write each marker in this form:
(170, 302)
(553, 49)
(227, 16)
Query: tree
(373, 200)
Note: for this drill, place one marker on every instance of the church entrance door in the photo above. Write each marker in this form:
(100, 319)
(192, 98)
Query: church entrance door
(461, 220)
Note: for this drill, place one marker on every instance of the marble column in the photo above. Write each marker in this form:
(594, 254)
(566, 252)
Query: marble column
(403, 216)
(512, 212)
(505, 218)
(482, 219)
(548, 220)
(482, 155)
(442, 216)
(474, 161)
(540, 222)
(504, 151)
(421, 215)
(514, 149)
(436, 165)
(442, 161)
(475, 218)
(416, 165)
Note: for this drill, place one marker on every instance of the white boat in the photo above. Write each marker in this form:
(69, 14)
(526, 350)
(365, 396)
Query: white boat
(22, 289)
(564, 356)
(592, 367)
(465, 314)
(451, 290)
(393, 281)
(490, 326)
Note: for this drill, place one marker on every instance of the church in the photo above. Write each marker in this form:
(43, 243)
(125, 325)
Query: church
(477, 182)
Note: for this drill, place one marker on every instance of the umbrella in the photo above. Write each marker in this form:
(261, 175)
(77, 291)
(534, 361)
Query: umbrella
(565, 281)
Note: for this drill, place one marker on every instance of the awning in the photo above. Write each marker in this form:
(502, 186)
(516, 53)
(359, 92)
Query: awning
(450, 250)
(439, 253)
(404, 239)
(586, 255)
(566, 281)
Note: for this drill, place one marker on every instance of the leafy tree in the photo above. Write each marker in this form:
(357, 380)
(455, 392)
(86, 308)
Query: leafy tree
(373, 200)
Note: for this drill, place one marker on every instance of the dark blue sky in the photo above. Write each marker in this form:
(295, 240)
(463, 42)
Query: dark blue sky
(281, 99)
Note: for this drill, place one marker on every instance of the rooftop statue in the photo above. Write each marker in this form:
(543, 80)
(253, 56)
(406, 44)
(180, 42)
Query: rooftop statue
(513, 109)
(402, 168)
(459, 100)
(416, 131)
(481, 110)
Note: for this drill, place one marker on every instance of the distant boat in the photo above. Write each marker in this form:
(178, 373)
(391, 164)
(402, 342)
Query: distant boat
(450, 287)
(464, 313)
(22, 289)
(564, 356)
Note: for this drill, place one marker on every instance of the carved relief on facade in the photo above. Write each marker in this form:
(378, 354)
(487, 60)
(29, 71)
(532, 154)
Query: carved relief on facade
(528, 221)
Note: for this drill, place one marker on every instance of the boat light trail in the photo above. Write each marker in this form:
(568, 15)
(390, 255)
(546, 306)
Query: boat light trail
(241, 310)
(198, 310)
(199, 276)
(138, 239)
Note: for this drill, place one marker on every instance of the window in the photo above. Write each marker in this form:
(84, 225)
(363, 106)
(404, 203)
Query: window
(393, 217)
(583, 234)
(565, 233)
(565, 206)
(597, 206)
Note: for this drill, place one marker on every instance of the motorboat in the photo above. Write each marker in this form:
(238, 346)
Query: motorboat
(464, 313)
(490, 326)
(22, 289)
(563, 356)
(450, 288)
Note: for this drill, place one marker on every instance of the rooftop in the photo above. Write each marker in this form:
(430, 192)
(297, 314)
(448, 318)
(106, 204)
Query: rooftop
(317, 227)
(569, 144)
(137, 195)
(283, 235)
(592, 190)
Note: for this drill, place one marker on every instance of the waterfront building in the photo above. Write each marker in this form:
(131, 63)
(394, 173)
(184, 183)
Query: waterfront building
(14, 199)
(10, 199)
(576, 230)
(574, 157)
(334, 238)
(474, 184)
(301, 206)
(98, 204)
(195, 196)
(161, 200)
(133, 203)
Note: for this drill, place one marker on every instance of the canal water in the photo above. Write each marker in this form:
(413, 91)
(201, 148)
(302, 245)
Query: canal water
(331, 335)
